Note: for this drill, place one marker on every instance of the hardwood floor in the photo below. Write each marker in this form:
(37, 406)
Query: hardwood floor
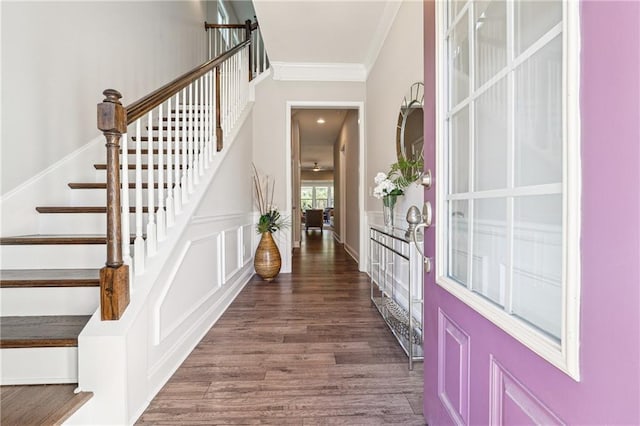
(39, 404)
(306, 349)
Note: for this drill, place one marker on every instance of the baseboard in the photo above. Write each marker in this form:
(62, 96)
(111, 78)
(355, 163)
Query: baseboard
(351, 252)
(337, 237)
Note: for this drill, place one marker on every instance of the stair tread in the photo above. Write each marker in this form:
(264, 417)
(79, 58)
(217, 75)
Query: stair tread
(103, 185)
(146, 151)
(40, 404)
(41, 331)
(49, 277)
(133, 166)
(55, 239)
(81, 209)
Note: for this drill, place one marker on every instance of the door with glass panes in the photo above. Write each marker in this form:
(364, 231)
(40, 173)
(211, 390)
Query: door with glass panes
(528, 317)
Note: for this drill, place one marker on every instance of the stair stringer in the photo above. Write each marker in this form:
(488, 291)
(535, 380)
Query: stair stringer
(126, 362)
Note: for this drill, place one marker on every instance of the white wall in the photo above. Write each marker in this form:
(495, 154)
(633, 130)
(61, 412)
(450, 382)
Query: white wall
(269, 129)
(296, 177)
(399, 64)
(349, 138)
(58, 57)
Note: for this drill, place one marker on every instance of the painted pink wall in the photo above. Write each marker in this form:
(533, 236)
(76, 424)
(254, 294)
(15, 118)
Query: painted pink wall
(609, 391)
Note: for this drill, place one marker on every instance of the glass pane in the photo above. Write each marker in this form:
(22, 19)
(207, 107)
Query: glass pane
(537, 261)
(489, 265)
(457, 6)
(306, 192)
(321, 203)
(322, 192)
(458, 241)
(459, 152)
(306, 204)
(490, 158)
(538, 121)
(491, 39)
(459, 62)
(533, 19)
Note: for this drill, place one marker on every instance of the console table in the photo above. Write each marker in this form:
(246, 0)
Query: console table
(395, 270)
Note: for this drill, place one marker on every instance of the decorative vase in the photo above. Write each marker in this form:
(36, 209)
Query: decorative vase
(267, 261)
(389, 204)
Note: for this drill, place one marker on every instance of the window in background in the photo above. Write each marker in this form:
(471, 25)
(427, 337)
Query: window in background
(316, 195)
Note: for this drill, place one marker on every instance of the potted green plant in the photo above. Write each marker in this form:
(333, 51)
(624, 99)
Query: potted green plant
(267, 261)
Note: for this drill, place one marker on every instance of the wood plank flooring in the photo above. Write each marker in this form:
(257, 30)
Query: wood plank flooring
(306, 349)
(39, 404)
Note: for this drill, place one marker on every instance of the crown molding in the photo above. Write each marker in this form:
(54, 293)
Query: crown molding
(384, 26)
(314, 71)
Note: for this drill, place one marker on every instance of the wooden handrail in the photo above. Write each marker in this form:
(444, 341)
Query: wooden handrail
(142, 106)
(113, 119)
(207, 25)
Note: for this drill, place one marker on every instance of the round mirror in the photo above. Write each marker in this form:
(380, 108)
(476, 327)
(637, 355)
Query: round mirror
(410, 132)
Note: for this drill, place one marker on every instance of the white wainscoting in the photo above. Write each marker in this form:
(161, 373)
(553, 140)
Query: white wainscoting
(210, 264)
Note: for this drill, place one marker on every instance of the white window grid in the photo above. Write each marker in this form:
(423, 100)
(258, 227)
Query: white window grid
(563, 353)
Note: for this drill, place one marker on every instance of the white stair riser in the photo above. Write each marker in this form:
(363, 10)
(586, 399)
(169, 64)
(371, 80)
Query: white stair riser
(53, 256)
(36, 301)
(38, 366)
(80, 223)
(98, 197)
(101, 175)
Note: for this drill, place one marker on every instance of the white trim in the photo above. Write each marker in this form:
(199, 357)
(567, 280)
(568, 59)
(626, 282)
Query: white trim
(566, 355)
(359, 105)
(351, 252)
(572, 225)
(317, 71)
(378, 38)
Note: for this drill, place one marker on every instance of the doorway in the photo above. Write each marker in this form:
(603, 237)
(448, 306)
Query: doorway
(326, 171)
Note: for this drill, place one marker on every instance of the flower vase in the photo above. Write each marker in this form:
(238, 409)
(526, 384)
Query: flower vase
(389, 204)
(267, 261)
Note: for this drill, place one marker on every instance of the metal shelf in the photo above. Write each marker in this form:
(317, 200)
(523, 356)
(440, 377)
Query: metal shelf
(395, 274)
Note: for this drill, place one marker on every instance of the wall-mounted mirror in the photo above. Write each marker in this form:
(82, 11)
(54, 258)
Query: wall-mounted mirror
(410, 134)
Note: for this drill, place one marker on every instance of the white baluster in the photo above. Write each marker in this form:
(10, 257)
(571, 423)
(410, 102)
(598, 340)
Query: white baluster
(236, 81)
(264, 58)
(177, 189)
(225, 98)
(195, 124)
(212, 115)
(184, 124)
(138, 244)
(190, 142)
(152, 245)
(171, 215)
(124, 200)
(201, 123)
(207, 122)
(258, 55)
(161, 217)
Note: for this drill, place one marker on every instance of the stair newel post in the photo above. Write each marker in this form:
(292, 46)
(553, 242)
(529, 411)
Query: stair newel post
(218, 114)
(114, 277)
(247, 36)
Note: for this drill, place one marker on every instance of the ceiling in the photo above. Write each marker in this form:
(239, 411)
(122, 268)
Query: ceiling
(339, 31)
(317, 32)
(317, 140)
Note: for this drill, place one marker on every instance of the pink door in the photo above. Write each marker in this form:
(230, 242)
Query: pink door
(477, 373)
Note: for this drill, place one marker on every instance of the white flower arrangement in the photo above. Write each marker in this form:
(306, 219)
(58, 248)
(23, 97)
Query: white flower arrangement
(385, 186)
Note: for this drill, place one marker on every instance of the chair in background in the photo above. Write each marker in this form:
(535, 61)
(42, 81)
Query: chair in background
(313, 219)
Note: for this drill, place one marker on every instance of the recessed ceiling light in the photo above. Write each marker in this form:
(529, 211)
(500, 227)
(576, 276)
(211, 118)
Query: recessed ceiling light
(320, 121)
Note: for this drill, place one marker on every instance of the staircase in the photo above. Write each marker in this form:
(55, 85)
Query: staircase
(50, 288)
(51, 284)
